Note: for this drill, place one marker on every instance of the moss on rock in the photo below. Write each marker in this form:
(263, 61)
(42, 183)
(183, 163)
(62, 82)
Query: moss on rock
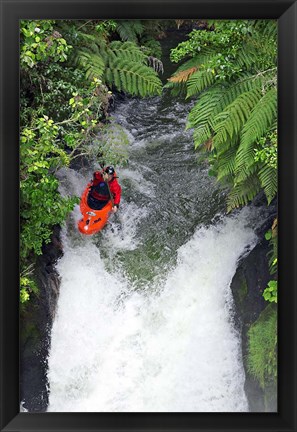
(261, 359)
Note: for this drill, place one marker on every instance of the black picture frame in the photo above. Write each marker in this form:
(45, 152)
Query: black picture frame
(11, 12)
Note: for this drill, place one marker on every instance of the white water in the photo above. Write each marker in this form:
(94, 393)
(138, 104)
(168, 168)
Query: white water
(169, 348)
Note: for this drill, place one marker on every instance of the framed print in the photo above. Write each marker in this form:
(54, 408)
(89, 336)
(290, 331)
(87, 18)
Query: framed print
(148, 191)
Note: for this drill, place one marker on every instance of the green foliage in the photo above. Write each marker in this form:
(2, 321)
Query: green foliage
(27, 287)
(262, 347)
(130, 30)
(62, 112)
(231, 68)
(92, 63)
(47, 144)
(270, 293)
(141, 33)
(199, 80)
(151, 46)
(111, 145)
(260, 120)
(136, 79)
(41, 204)
(225, 36)
(243, 193)
(267, 150)
(104, 28)
(40, 42)
(124, 66)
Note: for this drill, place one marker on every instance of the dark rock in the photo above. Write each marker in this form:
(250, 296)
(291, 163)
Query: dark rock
(36, 323)
(248, 284)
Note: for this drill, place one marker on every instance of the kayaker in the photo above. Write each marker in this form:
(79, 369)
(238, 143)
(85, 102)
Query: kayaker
(104, 186)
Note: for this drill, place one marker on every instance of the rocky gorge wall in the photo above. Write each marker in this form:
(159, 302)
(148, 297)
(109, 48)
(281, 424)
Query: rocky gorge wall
(250, 280)
(36, 322)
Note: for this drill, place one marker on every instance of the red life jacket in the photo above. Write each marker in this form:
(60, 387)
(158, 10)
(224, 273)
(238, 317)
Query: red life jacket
(99, 190)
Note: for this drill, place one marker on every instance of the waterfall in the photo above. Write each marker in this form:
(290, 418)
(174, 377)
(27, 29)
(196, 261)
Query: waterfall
(144, 320)
(170, 347)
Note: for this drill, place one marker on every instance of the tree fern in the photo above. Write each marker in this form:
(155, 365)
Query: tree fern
(129, 30)
(202, 115)
(199, 81)
(153, 47)
(126, 50)
(206, 106)
(226, 163)
(120, 64)
(93, 64)
(177, 90)
(268, 179)
(156, 64)
(218, 97)
(91, 41)
(186, 70)
(236, 104)
(134, 78)
(229, 122)
(183, 75)
(260, 120)
(241, 194)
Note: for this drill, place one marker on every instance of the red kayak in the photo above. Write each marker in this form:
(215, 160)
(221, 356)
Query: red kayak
(92, 220)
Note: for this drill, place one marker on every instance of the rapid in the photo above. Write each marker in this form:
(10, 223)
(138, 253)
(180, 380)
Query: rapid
(144, 320)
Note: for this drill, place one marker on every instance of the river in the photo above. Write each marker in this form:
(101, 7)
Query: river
(144, 319)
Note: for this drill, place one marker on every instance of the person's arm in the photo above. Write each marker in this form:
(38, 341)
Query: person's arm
(116, 191)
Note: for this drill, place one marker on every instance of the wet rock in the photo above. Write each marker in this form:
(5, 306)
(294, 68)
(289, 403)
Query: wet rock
(248, 284)
(36, 323)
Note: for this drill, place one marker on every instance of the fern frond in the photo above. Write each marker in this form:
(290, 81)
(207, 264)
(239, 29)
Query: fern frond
(201, 134)
(243, 193)
(135, 78)
(138, 27)
(259, 122)
(127, 50)
(128, 30)
(91, 42)
(194, 62)
(128, 71)
(93, 64)
(117, 80)
(176, 90)
(183, 76)
(206, 107)
(153, 46)
(268, 28)
(156, 64)
(247, 57)
(218, 97)
(246, 84)
(201, 116)
(229, 122)
(226, 163)
(199, 81)
(268, 179)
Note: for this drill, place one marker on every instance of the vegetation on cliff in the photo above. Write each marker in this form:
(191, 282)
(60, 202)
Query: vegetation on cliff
(68, 72)
(229, 68)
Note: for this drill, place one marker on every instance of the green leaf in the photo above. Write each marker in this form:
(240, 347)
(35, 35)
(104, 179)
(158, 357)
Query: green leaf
(268, 235)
